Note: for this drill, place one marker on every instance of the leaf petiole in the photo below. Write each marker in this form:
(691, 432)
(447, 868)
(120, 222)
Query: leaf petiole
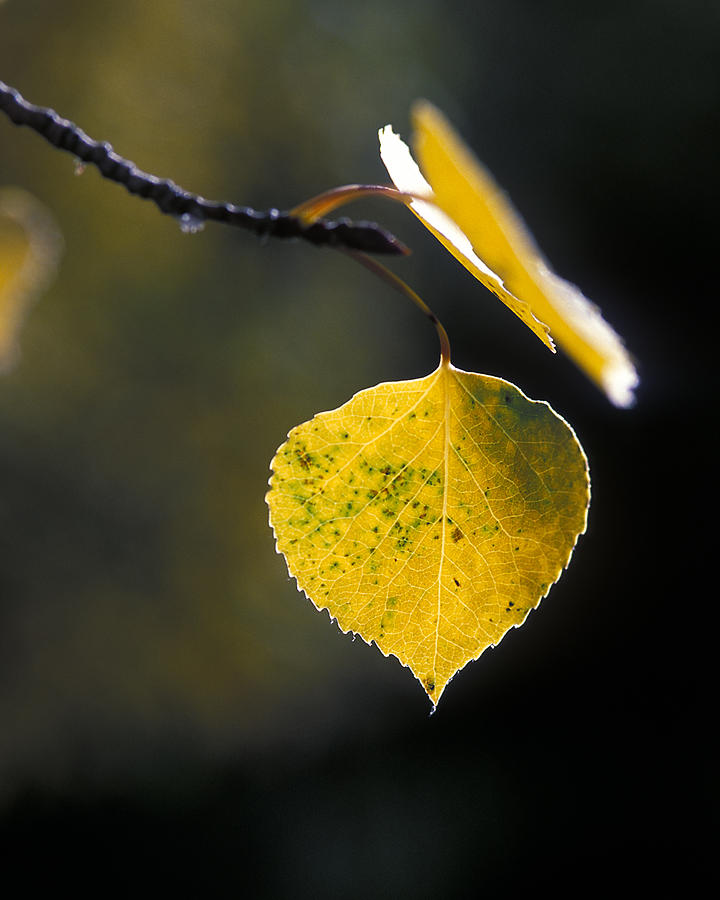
(396, 282)
(319, 206)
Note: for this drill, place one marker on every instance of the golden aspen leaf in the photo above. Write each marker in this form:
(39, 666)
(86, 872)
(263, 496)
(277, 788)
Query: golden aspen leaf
(469, 214)
(430, 516)
(29, 249)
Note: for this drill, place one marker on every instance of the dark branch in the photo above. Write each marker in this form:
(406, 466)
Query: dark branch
(191, 208)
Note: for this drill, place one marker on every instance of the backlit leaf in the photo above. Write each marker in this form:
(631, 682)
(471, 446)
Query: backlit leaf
(477, 223)
(29, 248)
(430, 516)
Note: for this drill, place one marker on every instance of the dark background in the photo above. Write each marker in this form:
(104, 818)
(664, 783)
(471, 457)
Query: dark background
(172, 711)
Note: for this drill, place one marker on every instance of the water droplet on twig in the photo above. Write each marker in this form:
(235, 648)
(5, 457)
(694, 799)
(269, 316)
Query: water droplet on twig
(190, 224)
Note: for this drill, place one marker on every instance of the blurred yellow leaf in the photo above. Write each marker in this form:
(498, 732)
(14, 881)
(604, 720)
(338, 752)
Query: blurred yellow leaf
(476, 222)
(29, 249)
(430, 516)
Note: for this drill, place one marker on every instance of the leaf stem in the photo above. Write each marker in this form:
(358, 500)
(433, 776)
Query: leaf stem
(396, 282)
(322, 204)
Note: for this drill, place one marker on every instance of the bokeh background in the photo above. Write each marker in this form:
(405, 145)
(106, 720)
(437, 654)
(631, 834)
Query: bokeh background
(171, 709)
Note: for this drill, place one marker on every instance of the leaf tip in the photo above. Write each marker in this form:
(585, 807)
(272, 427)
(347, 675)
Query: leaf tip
(619, 380)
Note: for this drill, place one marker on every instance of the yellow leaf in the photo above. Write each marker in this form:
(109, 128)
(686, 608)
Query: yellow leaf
(29, 249)
(476, 222)
(430, 516)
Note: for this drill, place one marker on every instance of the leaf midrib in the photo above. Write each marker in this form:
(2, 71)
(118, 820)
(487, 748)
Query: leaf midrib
(444, 375)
